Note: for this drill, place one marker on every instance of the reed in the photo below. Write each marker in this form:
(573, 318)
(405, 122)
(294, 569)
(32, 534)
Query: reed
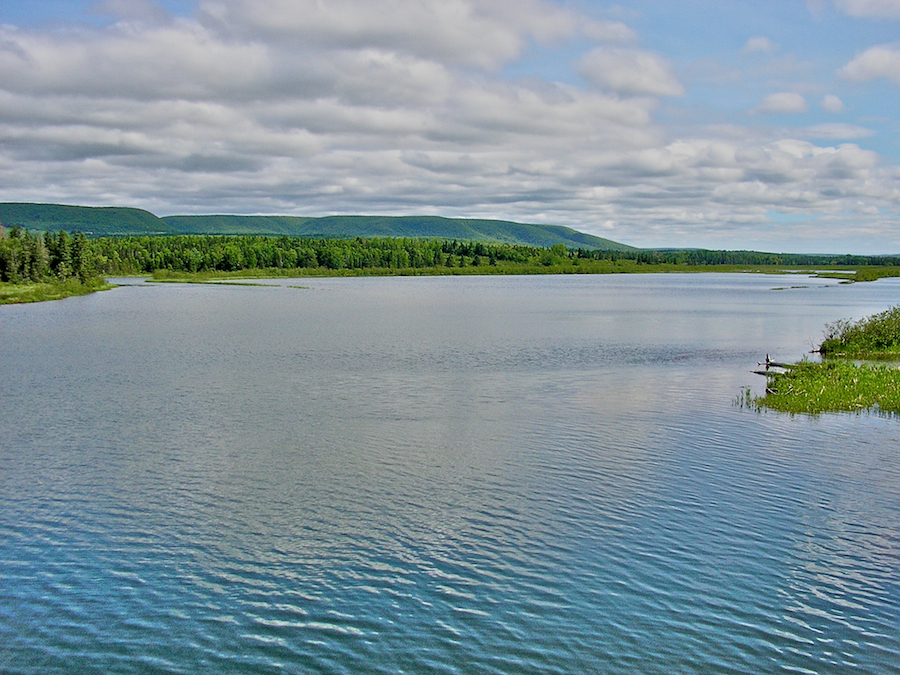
(834, 386)
(859, 371)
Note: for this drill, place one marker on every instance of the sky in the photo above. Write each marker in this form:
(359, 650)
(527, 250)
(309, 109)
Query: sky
(768, 125)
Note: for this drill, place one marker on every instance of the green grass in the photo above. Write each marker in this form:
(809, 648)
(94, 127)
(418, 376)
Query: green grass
(39, 292)
(873, 273)
(838, 383)
(861, 273)
(834, 386)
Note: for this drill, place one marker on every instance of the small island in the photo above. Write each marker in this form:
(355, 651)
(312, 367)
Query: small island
(859, 371)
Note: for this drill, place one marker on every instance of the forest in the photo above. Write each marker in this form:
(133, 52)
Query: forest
(40, 257)
(35, 257)
(199, 253)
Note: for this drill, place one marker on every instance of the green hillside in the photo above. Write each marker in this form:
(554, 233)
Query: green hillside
(119, 221)
(290, 226)
(394, 226)
(93, 221)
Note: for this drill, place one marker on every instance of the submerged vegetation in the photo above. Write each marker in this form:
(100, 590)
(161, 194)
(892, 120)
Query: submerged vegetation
(838, 383)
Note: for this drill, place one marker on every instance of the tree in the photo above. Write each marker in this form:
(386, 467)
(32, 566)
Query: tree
(81, 258)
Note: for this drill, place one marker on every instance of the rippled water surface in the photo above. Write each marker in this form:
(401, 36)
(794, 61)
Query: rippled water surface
(439, 475)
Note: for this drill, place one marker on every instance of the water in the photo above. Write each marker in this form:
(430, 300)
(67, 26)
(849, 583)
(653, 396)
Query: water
(439, 475)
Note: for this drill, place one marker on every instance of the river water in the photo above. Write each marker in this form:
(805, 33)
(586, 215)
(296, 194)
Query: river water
(440, 475)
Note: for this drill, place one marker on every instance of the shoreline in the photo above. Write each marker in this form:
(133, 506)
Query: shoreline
(18, 294)
(858, 373)
(21, 293)
(846, 275)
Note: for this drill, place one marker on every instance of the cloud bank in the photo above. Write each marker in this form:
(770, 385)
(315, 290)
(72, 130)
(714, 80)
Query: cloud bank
(403, 106)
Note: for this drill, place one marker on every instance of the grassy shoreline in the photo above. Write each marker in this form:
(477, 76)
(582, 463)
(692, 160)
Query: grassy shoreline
(860, 371)
(847, 274)
(54, 290)
(834, 386)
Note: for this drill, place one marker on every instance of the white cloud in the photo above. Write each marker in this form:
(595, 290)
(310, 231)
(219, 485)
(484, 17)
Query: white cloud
(831, 103)
(124, 62)
(631, 72)
(881, 61)
(478, 33)
(876, 9)
(846, 162)
(760, 44)
(783, 103)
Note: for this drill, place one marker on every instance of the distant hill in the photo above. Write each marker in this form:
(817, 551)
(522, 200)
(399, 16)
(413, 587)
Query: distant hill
(122, 221)
(394, 226)
(97, 221)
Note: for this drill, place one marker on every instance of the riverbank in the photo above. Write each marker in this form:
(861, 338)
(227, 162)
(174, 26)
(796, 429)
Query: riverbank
(56, 290)
(870, 381)
(833, 386)
(36, 292)
(566, 266)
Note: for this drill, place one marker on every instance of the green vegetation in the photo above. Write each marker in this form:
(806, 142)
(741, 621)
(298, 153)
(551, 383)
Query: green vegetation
(873, 337)
(115, 222)
(294, 256)
(482, 247)
(866, 272)
(35, 267)
(28, 257)
(52, 290)
(92, 221)
(414, 227)
(136, 223)
(839, 384)
(834, 386)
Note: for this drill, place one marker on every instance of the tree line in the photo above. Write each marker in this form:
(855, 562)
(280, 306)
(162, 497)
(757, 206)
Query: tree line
(700, 257)
(201, 253)
(37, 257)
(198, 253)
(27, 256)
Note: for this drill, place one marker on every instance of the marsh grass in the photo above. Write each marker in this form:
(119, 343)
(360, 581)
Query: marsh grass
(859, 372)
(39, 292)
(834, 386)
(873, 273)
